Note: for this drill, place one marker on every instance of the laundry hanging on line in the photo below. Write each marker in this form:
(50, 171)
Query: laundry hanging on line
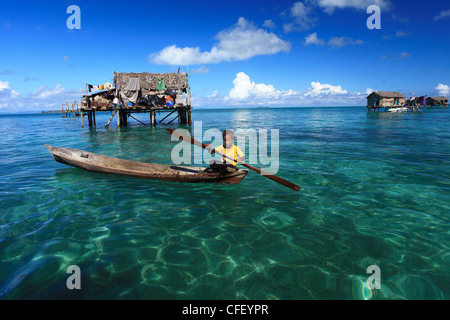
(161, 85)
(108, 86)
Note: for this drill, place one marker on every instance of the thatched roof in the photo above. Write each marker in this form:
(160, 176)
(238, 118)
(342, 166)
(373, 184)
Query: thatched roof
(438, 98)
(388, 94)
(149, 81)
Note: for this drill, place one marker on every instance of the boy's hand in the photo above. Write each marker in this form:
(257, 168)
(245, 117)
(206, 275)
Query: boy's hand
(209, 149)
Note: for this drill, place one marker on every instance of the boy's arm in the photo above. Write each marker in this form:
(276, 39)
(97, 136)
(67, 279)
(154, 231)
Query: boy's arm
(211, 151)
(240, 159)
(240, 155)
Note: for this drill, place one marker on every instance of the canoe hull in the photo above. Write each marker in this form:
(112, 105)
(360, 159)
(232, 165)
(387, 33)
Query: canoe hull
(99, 163)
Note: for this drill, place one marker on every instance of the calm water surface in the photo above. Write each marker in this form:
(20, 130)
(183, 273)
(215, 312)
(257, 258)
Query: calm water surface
(375, 191)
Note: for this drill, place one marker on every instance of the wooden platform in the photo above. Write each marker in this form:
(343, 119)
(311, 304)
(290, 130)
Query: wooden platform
(182, 113)
(411, 108)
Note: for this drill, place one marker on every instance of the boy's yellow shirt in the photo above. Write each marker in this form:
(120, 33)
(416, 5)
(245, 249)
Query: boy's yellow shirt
(234, 152)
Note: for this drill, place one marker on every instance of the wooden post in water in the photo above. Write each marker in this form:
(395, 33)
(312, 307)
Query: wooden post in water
(180, 115)
(90, 118)
(125, 119)
(189, 96)
(152, 117)
(110, 119)
(119, 116)
(189, 116)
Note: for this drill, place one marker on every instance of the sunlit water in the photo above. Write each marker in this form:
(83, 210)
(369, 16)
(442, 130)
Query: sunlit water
(375, 191)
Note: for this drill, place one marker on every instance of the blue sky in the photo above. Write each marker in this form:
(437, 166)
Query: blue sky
(239, 53)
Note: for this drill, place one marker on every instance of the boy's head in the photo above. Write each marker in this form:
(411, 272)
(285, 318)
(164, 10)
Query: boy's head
(228, 138)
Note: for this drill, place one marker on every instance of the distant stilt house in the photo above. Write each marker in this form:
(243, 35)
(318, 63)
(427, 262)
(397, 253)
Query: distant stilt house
(437, 101)
(385, 99)
(418, 101)
(397, 102)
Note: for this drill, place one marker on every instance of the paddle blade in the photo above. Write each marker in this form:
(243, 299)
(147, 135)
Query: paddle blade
(272, 177)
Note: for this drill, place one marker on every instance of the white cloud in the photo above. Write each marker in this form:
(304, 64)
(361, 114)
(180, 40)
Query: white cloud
(443, 89)
(318, 89)
(269, 24)
(42, 98)
(330, 5)
(338, 42)
(334, 42)
(402, 56)
(243, 41)
(4, 85)
(43, 92)
(369, 91)
(248, 93)
(301, 14)
(288, 27)
(313, 39)
(201, 69)
(405, 55)
(442, 15)
(6, 92)
(215, 94)
(244, 88)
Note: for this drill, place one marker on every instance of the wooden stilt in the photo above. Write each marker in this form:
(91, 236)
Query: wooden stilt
(119, 116)
(182, 115)
(166, 116)
(124, 118)
(110, 119)
(189, 116)
(152, 117)
(137, 120)
(173, 119)
(189, 96)
(90, 118)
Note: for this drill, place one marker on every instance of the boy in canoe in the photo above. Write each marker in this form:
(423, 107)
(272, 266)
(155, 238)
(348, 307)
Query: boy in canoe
(232, 155)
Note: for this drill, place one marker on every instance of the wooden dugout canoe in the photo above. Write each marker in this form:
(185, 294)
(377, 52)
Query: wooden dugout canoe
(99, 163)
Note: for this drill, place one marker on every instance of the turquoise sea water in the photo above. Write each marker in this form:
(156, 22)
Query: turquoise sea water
(375, 191)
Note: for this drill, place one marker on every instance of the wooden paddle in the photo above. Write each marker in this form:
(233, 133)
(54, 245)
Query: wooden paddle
(265, 174)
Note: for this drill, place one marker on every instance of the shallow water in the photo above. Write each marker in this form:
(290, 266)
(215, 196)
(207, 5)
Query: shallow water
(375, 191)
